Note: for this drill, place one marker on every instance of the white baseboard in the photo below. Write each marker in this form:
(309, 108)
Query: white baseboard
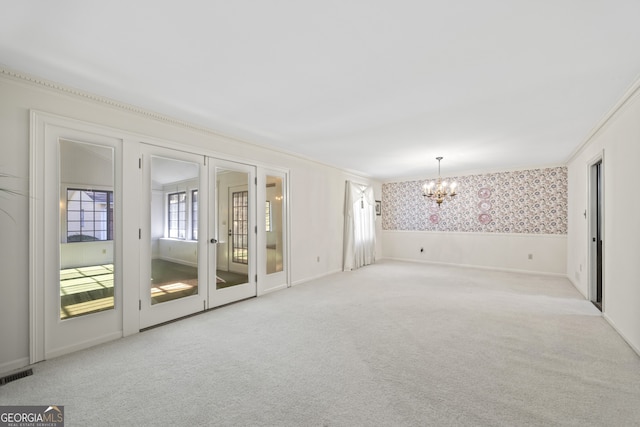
(8, 367)
(178, 261)
(274, 289)
(575, 285)
(82, 345)
(480, 267)
(319, 276)
(613, 325)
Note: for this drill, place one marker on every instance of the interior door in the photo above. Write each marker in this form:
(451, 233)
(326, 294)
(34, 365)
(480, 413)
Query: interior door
(79, 203)
(173, 269)
(232, 249)
(596, 231)
(272, 271)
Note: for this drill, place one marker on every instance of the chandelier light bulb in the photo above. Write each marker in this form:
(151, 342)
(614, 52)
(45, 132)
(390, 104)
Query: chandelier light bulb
(443, 189)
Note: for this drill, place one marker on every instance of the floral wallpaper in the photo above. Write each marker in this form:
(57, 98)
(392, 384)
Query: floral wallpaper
(527, 201)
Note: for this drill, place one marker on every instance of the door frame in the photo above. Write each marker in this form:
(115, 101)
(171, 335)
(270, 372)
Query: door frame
(44, 240)
(219, 297)
(154, 314)
(281, 280)
(595, 229)
(128, 256)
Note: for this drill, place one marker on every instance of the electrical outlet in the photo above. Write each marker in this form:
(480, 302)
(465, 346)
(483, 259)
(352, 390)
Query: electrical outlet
(530, 256)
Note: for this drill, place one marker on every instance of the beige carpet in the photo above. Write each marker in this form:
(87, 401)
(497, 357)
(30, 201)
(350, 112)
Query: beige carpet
(393, 344)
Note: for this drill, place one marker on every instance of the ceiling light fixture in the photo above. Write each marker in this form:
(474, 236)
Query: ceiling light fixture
(439, 190)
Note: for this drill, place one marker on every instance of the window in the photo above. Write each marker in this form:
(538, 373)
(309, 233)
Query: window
(177, 222)
(240, 217)
(89, 215)
(194, 214)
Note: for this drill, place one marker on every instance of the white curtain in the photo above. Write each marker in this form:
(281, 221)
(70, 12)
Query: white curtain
(359, 226)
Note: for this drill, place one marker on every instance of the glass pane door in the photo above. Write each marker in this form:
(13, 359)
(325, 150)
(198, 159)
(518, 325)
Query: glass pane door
(87, 228)
(76, 238)
(274, 224)
(273, 271)
(233, 255)
(173, 281)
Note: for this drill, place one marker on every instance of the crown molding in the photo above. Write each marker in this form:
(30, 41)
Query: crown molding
(37, 81)
(58, 87)
(627, 97)
(475, 172)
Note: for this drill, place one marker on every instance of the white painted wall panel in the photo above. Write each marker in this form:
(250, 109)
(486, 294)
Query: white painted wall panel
(619, 143)
(179, 251)
(482, 250)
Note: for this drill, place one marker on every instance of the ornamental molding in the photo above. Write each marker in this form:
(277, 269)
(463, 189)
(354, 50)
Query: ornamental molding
(58, 87)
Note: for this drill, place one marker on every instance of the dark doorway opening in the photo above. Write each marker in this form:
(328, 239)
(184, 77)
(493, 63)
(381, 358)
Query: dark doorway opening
(596, 234)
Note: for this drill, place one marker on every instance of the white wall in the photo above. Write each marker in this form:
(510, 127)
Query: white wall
(82, 254)
(484, 250)
(179, 251)
(316, 193)
(618, 141)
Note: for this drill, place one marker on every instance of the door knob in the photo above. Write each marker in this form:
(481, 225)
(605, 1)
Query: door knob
(214, 241)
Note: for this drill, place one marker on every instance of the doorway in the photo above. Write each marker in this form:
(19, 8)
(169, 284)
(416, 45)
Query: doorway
(596, 248)
(128, 235)
(76, 238)
(232, 257)
(273, 267)
(173, 267)
(198, 249)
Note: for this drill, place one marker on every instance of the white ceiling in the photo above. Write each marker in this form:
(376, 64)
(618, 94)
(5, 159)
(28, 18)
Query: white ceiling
(380, 87)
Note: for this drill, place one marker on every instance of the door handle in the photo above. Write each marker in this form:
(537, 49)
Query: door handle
(214, 241)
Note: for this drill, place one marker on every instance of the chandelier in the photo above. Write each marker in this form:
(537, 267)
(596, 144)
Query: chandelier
(439, 190)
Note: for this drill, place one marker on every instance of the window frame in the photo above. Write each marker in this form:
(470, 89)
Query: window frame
(194, 214)
(240, 223)
(109, 220)
(181, 222)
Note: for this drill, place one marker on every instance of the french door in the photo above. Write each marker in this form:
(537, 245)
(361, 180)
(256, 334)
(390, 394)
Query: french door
(198, 215)
(76, 237)
(117, 245)
(272, 270)
(173, 252)
(233, 228)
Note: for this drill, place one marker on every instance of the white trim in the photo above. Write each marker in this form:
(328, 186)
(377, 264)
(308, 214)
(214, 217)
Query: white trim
(44, 231)
(36, 245)
(179, 261)
(7, 367)
(37, 81)
(630, 93)
(590, 222)
(319, 276)
(483, 233)
(277, 280)
(472, 172)
(84, 344)
(577, 286)
(274, 289)
(479, 267)
(619, 331)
